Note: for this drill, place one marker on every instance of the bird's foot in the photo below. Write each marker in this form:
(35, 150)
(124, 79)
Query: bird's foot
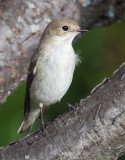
(43, 128)
(70, 106)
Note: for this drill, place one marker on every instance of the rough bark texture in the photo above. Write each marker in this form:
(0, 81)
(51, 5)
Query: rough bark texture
(95, 131)
(22, 23)
(91, 133)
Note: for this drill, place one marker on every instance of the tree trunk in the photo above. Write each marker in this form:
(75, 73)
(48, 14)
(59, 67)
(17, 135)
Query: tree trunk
(96, 129)
(22, 23)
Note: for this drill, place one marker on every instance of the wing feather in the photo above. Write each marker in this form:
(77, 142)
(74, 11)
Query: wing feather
(30, 77)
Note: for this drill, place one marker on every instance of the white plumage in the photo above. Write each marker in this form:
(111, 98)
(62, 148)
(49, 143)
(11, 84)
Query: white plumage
(51, 69)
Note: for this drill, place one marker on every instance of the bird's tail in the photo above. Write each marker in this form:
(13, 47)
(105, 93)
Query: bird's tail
(27, 123)
(25, 126)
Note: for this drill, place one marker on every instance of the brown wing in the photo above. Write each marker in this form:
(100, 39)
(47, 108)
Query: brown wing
(30, 79)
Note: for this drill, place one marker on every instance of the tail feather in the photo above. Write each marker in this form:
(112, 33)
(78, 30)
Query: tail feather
(28, 121)
(26, 125)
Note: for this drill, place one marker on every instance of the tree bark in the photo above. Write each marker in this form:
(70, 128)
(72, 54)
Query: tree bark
(95, 131)
(22, 23)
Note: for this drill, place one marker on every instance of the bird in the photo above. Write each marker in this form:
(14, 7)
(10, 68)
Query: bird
(51, 69)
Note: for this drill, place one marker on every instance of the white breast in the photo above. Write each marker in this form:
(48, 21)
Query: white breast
(54, 74)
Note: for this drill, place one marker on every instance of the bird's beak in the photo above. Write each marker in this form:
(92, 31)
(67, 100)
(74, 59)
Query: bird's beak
(81, 30)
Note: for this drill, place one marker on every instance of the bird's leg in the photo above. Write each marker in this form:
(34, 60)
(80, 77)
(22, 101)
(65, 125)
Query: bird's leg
(44, 110)
(70, 106)
(42, 120)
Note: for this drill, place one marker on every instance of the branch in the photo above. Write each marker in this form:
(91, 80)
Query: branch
(22, 23)
(96, 130)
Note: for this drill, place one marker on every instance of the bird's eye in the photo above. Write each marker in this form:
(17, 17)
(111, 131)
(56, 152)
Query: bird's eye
(65, 28)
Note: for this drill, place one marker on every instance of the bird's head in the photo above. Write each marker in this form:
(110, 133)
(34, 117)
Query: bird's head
(62, 29)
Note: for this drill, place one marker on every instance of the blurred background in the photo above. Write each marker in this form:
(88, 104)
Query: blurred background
(101, 50)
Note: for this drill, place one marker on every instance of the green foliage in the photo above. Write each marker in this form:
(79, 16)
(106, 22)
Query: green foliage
(102, 50)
